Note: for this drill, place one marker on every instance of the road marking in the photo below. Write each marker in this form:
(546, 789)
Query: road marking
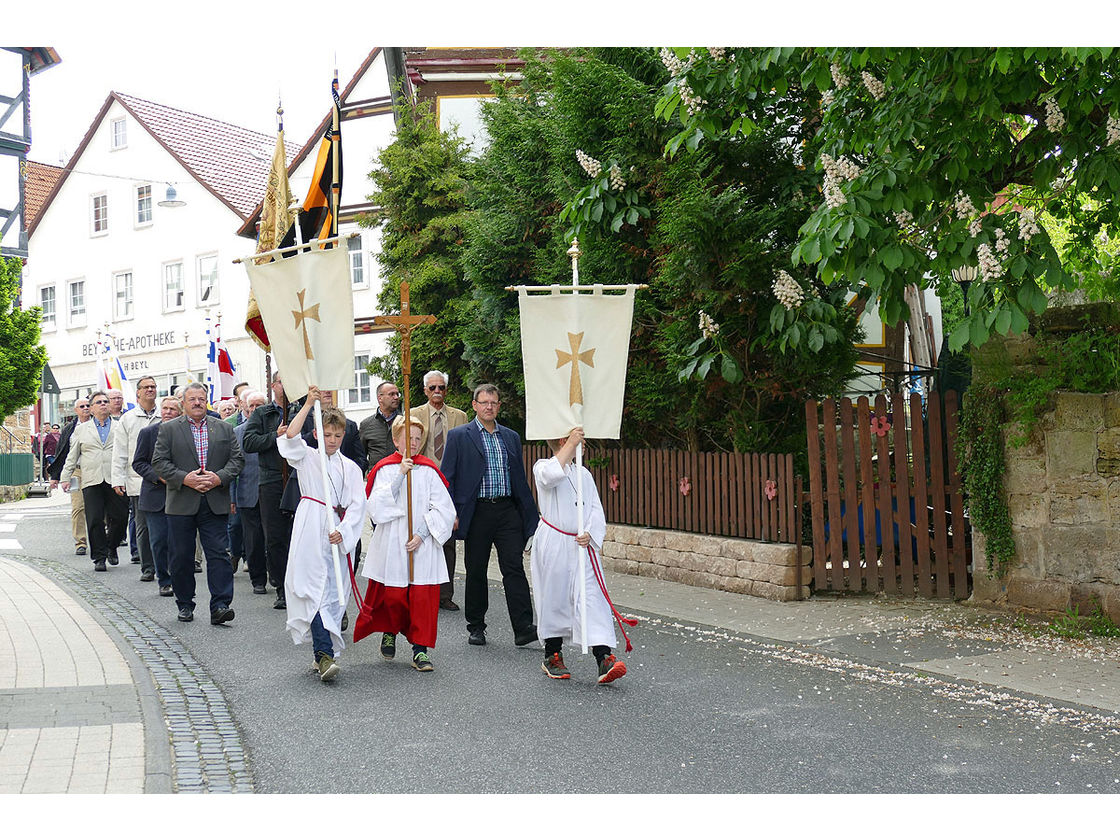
(11, 544)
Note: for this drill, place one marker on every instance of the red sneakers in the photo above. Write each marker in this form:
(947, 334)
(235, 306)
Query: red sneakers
(554, 667)
(610, 669)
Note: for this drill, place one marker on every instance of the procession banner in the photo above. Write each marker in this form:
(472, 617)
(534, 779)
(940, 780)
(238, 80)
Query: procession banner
(307, 307)
(574, 349)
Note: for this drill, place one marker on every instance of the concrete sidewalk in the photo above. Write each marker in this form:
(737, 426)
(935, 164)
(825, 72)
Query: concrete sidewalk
(82, 709)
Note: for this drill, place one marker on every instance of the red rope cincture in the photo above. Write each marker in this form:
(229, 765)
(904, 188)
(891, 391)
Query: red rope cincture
(633, 622)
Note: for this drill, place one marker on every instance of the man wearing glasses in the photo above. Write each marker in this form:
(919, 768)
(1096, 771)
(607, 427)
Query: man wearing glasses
(482, 463)
(376, 430)
(91, 451)
(77, 503)
(437, 419)
(126, 481)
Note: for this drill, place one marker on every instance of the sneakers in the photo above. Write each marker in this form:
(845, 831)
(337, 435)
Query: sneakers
(610, 669)
(388, 646)
(328, 668)
(345, 622)
(554, 667)
(79, 550)
(422, 662)
(147, 576)
(166, 591)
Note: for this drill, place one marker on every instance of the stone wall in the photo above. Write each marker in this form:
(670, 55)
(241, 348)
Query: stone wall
(19, 426)
(1063, 489)
(749, 567)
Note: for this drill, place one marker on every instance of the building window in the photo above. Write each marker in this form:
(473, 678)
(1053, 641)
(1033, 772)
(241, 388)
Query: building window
(99, 214)
(144, 205)
(47, 304)
(172, 286)
(357, 269)
(120, 138)
(208, 280)
(77, 303)
(360, 393)
(122, 286)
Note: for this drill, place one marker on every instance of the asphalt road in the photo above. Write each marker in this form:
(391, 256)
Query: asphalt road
(700, 711)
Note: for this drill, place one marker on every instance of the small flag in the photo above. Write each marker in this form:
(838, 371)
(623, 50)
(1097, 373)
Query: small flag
(220, 372)
(111, 373)
(318, 218)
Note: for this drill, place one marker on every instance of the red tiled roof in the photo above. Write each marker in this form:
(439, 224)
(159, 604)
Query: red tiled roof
(41, 178)
(229, 161)
(232, 162)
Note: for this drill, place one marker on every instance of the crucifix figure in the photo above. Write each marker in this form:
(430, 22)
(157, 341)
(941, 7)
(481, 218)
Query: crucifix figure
(302, 315)
(575, 383)
(404, 324)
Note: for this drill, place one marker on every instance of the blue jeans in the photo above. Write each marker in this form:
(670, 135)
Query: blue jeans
(320, 638)
(157, 537)
(211, 530)
(236, 546)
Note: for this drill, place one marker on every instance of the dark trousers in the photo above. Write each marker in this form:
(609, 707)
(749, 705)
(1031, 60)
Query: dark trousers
(106, 519)
(236, 541)
(277, 532)
(447, 590)
(496, 524)
(210, 529)
(253, 542)
(156, 521)
(143, 538)
(320, 638)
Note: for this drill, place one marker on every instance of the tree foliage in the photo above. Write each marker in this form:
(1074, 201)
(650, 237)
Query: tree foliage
(929, 160)
(716, 361)
(21, 355)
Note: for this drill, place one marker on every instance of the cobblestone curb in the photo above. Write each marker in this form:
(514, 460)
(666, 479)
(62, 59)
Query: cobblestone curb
(206, 748)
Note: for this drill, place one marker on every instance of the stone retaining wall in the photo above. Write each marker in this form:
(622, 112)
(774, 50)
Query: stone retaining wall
(1063, 491)
(749, 567)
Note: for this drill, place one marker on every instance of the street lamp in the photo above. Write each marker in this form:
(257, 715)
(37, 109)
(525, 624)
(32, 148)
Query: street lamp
(965, 275)
(171, 199)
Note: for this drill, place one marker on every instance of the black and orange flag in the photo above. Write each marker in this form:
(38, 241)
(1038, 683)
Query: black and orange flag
(318, 219)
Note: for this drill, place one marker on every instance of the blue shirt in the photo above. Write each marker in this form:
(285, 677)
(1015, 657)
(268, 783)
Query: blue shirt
(102, 431)
(495, 479)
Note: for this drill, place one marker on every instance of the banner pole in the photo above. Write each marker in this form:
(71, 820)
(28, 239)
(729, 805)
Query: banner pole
(332, 523)
(574, 253)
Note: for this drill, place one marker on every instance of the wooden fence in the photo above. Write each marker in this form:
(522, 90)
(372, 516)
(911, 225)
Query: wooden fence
(730, 494)
(887, 509)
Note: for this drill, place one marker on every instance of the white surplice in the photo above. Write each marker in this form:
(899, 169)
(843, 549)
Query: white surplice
(309, 585)
(554, 564)
(387, 560)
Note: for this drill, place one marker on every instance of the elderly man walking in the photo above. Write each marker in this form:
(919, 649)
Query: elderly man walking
(126, 481)
(153, 493)
(198, 456)
(77, 503)
(91, 451)
(482, 463)
(436, 418)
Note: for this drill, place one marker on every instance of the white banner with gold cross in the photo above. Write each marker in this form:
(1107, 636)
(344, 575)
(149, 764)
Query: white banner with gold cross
(307, 306)
(574, 349)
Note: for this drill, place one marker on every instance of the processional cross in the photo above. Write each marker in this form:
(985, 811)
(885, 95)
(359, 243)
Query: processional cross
(404, 324)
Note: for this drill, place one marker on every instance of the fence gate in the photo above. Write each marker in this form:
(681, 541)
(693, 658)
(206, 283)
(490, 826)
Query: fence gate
(887, 510)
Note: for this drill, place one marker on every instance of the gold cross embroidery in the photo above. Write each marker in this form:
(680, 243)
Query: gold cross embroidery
(575, 385)
(302, 316)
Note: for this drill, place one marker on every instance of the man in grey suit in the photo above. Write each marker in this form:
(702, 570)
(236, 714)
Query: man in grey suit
(198, 456)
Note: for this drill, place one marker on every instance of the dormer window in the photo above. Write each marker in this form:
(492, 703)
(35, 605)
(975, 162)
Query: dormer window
(120, 137)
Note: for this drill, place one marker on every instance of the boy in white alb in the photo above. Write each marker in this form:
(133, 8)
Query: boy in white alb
(556, 559)
(394, 603)
(314, 612)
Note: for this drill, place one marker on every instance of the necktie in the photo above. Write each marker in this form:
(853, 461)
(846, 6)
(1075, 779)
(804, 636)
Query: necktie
(437, 435)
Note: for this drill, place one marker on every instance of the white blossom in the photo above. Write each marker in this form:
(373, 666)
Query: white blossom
(1002, 243)
(1028, 227)
(838, 77)
(873, 85)
(974, 227)
(674, 65)
(904, 218)
(692, 102)
(615, 174)
(1113, 129)
(708, 326)
(836, 171)
(827, 98)
(717, 52)
(1055, 119)
(991, 269)
(787, 290)
(591, 166)
(964, 205)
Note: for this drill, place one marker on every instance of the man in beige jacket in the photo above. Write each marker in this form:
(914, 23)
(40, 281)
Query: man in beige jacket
(91, 451)
(126, 481)
(437, 419)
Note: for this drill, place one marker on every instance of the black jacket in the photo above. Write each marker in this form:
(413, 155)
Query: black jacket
(260, 437)
(62, 450)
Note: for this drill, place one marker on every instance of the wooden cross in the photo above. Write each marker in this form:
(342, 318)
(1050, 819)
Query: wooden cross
(302, 315)
(404, 324)
(575, 383)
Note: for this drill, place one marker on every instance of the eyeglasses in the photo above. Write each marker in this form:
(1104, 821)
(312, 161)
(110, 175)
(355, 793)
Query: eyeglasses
(146, 388)
(437, 387)
(487, 404)
(100, 402)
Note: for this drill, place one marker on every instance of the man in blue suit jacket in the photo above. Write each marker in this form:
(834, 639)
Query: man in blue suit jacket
(482, 462)
(245, 494)
(153, 492)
